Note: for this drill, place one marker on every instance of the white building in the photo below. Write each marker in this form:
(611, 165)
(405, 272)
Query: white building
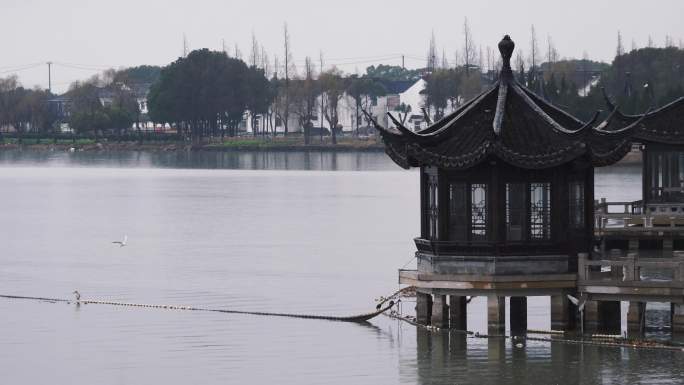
(398, 92)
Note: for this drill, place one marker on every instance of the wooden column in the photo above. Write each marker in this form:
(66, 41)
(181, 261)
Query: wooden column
(560, 312)
(458, 312)
(591, 317)
(440, 311)
(667, 247)
(423, 308)
(496, 314)
(458, 346)
(518, 315)
(677, 311)
(636, 318)
(633, 245)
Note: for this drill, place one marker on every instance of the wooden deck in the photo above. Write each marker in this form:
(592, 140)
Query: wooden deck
(623, 279)
(502, 285)
(615, 279)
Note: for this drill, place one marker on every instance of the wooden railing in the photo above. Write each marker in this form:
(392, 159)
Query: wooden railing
(628, 269)
(632, 208)
(638, 223)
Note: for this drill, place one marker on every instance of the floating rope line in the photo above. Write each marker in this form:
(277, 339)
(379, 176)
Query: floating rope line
(353, 318)
(535, 331)
(595, 339)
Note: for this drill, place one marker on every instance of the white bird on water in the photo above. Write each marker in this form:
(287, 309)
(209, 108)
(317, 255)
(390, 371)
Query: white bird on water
(122, 243)
(77, 295)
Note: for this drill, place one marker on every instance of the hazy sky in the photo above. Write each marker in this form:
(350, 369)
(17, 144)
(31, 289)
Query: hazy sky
(83, 37)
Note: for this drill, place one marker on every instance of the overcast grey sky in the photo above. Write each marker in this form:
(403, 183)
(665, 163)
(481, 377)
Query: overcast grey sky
(352, 34)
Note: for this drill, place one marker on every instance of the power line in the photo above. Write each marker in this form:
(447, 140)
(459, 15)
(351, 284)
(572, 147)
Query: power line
(20, 65)
(22, 68)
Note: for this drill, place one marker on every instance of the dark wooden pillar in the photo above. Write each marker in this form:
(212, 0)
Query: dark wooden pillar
(440, 311)
(636, 318)
(423, 308)
(560, 312)
(458, 312)
(496, 314)
(458, 345)
(677, 312)
(518, 315)
(591, 317)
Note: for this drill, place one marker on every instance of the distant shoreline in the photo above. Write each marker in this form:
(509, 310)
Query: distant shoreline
(229, 145)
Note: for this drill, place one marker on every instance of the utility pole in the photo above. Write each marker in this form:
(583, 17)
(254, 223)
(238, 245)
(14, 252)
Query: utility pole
(402, 62)
(49, 64)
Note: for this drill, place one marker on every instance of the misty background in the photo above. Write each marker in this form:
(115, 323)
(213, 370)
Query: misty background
(83, 38)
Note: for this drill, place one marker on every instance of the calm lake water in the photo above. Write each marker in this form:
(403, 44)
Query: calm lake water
(316, 233)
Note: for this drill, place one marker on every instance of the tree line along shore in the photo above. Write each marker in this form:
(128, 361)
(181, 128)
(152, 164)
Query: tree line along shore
(207, 96)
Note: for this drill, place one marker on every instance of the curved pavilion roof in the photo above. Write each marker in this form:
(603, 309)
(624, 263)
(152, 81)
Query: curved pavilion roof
(511, 123)
(664, 125)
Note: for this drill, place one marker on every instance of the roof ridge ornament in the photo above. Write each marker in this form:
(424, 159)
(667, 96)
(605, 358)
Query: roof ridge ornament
(506, 47)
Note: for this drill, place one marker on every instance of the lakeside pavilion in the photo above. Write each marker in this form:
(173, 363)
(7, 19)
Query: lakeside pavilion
(507, 201)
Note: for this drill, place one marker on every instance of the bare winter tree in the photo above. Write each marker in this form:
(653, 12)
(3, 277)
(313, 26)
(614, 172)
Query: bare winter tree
(186, 46)
(534, 49)
(288, 62)
(304, 94)
(254, 59)
(669, 41)
(275, 106)
(445, 62)
(551, 52)
(520, 65)
(480, 60)
(320, 118)
(432, 54)
(489, 61)
(469, 52)
(237, 54)
(620, 49)
(332, 86)
(265, 62)
(266, 66)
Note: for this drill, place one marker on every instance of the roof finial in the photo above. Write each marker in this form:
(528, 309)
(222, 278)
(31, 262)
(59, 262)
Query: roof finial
(506, 46)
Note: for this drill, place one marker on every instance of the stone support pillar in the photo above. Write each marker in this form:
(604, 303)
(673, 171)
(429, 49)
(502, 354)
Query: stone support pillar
(667, 247)
(423, 308)
(636, 318)
(677, 318)
(633, 245)
(518, 315)
(458, 312)
(560, 312)
(496, 314)
(440, 311)
(591, 317)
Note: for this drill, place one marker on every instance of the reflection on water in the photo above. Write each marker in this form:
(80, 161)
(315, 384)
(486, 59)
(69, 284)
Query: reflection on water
(235, 160)
(205, 230)
(451, 357)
